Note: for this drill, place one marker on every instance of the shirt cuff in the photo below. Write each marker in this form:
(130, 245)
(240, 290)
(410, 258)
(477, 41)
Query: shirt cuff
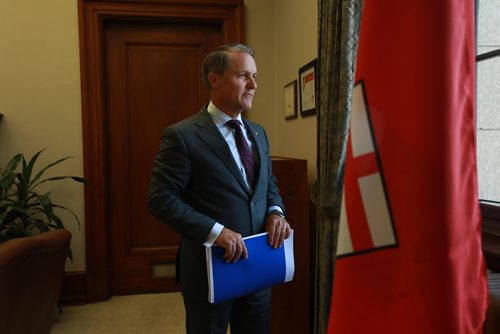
(213, 235)
(273, 208)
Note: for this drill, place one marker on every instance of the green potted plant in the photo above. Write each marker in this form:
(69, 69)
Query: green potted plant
(23, 210)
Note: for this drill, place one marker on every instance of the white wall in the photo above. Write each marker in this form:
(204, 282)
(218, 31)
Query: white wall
(284, 36)
(40, 96)
(260, 35)
(488, 101)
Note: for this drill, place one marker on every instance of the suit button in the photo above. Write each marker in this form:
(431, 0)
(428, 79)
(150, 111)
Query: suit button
(252, 204)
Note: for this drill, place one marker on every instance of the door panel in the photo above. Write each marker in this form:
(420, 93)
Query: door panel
(152, 76)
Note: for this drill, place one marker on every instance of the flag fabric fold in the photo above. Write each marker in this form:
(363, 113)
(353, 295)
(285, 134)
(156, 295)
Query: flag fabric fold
(410, 258)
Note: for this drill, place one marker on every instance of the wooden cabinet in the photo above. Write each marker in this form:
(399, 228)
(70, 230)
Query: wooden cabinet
(290, 306)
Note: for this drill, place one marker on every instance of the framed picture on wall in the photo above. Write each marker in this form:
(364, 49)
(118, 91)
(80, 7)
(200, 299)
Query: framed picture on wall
(308, 88)
(291, 100)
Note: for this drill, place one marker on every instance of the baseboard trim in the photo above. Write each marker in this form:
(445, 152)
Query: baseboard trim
(74, 288)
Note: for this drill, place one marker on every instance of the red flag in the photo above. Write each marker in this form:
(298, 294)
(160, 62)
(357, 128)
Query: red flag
(410, 258)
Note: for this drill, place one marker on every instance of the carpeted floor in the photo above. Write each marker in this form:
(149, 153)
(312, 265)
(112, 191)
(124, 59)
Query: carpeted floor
(143, 314)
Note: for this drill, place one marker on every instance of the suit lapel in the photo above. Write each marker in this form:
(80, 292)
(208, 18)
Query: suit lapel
(208, 132)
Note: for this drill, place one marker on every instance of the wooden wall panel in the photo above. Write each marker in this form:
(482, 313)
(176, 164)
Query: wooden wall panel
(290, 306)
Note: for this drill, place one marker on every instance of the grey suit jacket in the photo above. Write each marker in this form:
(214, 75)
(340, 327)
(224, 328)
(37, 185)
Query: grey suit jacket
(196, 182)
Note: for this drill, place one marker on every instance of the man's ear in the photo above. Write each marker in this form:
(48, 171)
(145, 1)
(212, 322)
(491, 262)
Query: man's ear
(213, 80)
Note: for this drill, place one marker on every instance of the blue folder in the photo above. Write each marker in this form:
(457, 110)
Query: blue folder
(264, 268)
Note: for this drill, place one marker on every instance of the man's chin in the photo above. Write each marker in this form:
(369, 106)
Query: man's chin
(247, 106)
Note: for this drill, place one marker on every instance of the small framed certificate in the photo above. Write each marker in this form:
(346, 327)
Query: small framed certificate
(308, 88)
(291, 100)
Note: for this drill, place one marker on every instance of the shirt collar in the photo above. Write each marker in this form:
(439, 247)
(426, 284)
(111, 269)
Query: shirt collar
(220, 118)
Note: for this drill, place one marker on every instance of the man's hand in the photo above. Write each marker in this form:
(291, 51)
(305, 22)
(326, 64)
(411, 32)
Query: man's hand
(233, 243)
(278, 229)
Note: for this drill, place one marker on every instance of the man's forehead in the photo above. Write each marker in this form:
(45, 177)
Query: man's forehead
(243, 62)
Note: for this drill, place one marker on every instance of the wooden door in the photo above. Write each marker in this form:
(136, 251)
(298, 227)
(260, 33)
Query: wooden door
(140, 72)
(152, 71)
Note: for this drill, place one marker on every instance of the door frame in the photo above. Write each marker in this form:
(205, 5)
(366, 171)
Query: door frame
(92, 15)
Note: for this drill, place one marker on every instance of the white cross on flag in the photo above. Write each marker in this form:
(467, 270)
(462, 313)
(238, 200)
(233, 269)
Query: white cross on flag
(365, 219)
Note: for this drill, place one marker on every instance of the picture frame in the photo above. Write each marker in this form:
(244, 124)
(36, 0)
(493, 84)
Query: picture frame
(291, 100)
(308, 88)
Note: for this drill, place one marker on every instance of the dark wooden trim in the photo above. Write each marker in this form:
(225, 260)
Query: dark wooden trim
(490, 211)
(73, 290)
(491, 235)
(488, 55)
(92, 16)
(313, 223)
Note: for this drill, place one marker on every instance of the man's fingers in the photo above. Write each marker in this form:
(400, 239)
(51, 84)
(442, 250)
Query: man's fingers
(279, 233)
(236, 251)
(282, 233)
(271, 237)
(278, 229)
(237, 254)
(245, 251)
(229, 253)
(277, 236)
(233, 245)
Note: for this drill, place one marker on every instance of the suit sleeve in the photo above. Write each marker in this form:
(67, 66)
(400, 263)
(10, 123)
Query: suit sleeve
(273, 195)
(171, 174)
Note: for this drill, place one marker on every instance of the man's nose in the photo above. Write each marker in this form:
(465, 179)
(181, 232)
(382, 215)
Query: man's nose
(252, 83)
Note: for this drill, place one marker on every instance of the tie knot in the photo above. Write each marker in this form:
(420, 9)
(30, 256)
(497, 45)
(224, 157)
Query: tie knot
(234, 123)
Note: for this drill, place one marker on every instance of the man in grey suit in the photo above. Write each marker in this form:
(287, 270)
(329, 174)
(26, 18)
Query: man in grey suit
(212, 182)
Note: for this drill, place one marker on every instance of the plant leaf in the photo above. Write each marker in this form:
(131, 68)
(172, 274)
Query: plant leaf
(58, 222)
(37, 177)
(70, 254)
(46, 204)
(12, 164)
(6, 185)
(33, 160)
(72, 213)
(28, 168)
(74, 178)
(9, 175)
(40, 225)
(15, 230)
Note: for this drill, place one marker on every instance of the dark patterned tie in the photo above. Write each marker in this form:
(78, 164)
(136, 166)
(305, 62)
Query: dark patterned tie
(244, 151)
